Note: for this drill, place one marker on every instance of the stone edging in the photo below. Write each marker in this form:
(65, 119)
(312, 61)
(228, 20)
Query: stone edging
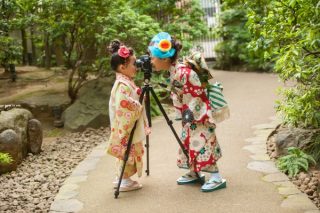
(65, 200)
(293, 197)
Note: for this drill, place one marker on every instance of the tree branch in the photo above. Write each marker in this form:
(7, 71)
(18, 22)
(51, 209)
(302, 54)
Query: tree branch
(310, 52)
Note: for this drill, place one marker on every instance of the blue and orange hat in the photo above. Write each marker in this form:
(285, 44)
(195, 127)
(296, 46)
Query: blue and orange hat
(161, 46)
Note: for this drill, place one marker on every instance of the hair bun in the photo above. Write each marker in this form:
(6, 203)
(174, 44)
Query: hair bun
(114, 46)
(176, 44)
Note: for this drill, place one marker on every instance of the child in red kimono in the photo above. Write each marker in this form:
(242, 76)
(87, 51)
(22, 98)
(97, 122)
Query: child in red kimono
(189, 97)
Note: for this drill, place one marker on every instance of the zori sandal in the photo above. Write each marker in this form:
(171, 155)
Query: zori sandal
(127, 185)
(190, 178)
(130, 186)
(213, 185)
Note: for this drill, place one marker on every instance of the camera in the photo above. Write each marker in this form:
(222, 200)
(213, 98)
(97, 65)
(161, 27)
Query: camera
(144, 63)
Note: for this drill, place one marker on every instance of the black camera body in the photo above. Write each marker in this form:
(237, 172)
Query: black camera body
(144, 64)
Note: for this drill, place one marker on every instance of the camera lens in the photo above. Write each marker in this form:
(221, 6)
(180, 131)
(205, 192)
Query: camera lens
(144, 63)
(138, 63)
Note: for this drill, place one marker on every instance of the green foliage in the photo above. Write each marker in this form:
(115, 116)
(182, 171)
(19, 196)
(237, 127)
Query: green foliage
(132, 28)
(294, 162)
(314, 147)
(235, 37)
(232, 49)
(80, 30)
(288, 32)
(162, 93)
(5, 158)
(75, 34)
(10, 50)
(185, 22)
(155, 111)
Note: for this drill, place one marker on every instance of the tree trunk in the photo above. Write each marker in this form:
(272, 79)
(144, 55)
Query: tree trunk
(33, 46)
(71, 92)
(47, 50)
(70, 48)
(5, 30)
(13, 72)
(24, 47)
(58, 51)
(90, 52)
(74, 84)
(6, 69)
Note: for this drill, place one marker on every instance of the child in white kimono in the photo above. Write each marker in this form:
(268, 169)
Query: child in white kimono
(124, 111)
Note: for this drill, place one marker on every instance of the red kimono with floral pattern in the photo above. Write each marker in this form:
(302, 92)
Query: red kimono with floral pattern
(198, 129)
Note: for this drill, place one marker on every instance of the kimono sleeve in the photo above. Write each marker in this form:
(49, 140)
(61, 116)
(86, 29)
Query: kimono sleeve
(128, 110)
(196, 106)
(176, 93)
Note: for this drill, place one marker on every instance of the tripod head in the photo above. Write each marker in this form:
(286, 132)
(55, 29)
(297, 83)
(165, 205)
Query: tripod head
(143, 63)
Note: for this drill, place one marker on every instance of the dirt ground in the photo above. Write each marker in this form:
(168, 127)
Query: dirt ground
(36, 86)
(29, 81)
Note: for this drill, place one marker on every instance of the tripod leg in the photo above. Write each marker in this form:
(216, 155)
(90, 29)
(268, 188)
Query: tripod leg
(148, 112)
(170, 123)
(126, 155)
(117, 192)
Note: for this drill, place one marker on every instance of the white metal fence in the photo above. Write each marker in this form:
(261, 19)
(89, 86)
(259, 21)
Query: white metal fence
(206, 44)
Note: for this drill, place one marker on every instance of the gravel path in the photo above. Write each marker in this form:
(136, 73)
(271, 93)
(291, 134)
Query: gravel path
(33, 186)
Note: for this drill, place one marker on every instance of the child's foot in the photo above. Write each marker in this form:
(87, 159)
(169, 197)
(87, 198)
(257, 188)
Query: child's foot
(130, 186)
(214, 184)
(190, 177)
(115, 182)
(127, 185)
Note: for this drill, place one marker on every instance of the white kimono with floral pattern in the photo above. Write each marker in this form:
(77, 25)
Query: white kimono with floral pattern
(124, 110)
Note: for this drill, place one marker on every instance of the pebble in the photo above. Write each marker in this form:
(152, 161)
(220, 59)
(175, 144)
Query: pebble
(34, 185)
(308, 183)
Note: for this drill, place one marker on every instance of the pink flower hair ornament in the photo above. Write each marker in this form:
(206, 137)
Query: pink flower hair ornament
(124, 52)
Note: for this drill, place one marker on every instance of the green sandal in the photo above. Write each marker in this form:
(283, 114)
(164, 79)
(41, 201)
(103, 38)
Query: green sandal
(213, 185)
(190, 178)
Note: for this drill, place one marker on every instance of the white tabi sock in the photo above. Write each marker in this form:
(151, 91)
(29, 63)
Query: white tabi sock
(216, 176)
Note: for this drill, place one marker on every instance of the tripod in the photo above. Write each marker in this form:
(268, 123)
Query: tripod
(146, 90)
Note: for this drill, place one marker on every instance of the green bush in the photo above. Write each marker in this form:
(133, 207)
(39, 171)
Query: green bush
(162, 93)
(5, 158)
(314, 147)
(294, 162)
(10, 49)
(288, 33)
(233, 50)
(185, 23)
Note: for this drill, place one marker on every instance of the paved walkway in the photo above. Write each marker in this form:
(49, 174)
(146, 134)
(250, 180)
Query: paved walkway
(251, 97)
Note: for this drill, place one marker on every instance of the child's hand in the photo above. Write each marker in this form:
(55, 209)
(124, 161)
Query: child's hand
(147, 130)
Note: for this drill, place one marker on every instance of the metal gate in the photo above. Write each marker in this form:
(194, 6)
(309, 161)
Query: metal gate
(206, 44)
